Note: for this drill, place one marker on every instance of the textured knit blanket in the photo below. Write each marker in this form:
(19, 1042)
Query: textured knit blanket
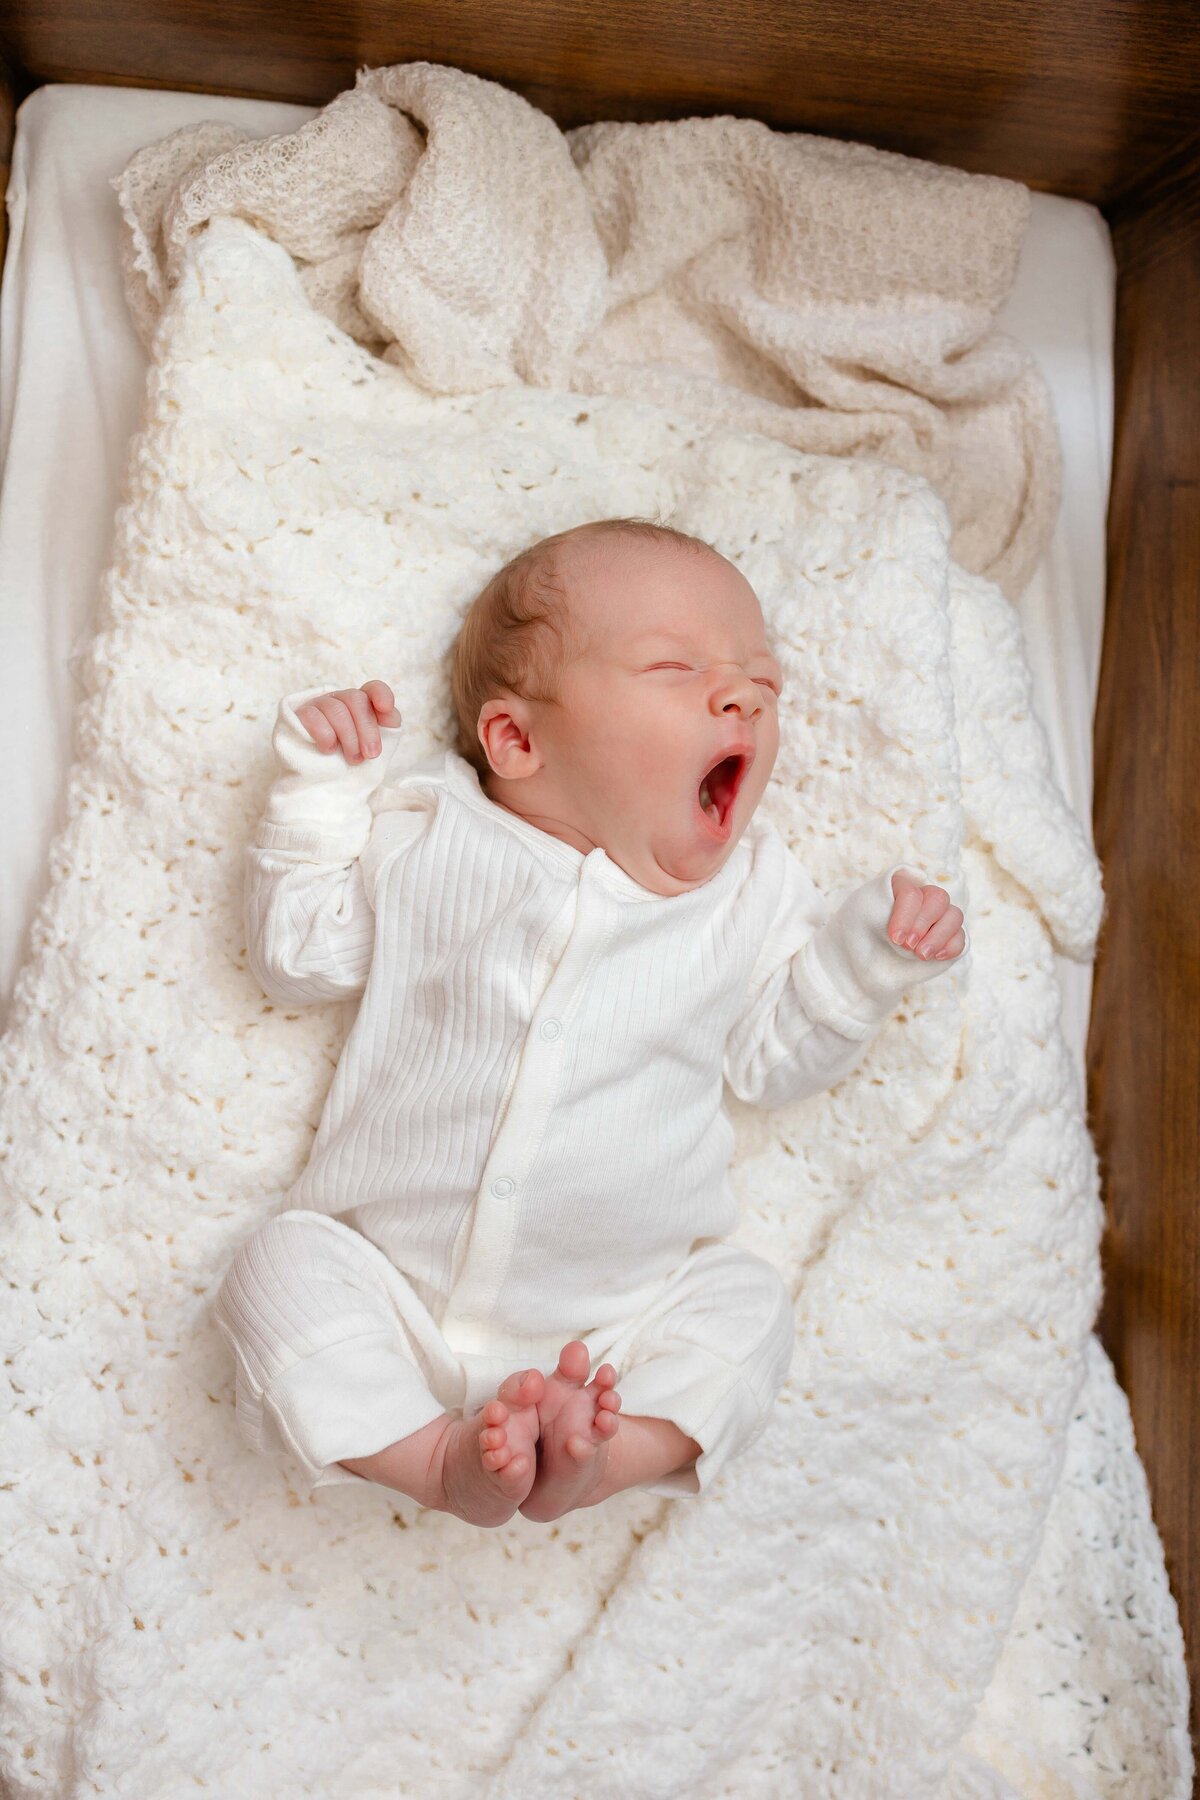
(935, 1572)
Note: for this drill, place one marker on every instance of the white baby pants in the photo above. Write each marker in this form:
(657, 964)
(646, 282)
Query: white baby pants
(337, 1356)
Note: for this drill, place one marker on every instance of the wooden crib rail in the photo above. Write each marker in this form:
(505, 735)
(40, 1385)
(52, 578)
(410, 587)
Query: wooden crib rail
(8, 100)
(1080, 99)
(1144, 1036)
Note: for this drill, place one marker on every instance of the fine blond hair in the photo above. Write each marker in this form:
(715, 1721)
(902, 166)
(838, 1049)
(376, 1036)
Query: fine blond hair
(519, 634)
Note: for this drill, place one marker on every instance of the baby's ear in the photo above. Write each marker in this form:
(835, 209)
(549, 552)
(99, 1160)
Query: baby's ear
(505, 741)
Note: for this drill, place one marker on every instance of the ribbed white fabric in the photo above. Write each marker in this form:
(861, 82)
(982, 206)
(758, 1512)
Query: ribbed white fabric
(336, 1357)
(527, 1113)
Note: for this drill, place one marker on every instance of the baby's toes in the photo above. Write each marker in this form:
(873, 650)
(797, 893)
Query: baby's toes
(516, 1467)
(525, 1388)
(605, 1424)
(504, 1460)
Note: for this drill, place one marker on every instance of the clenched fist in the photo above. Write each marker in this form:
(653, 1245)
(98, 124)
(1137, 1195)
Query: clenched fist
(350, 717)
(924, 921)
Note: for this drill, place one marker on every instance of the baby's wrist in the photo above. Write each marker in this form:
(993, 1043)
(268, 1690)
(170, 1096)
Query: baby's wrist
(318, 793)
(852, 969)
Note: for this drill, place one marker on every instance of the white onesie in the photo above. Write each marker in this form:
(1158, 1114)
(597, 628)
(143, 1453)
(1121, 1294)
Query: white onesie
(526, 1119)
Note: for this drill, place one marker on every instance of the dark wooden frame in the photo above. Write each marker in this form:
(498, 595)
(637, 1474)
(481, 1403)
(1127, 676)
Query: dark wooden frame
(1096, 99)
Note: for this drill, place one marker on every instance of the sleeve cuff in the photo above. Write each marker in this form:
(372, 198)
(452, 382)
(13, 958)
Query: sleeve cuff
(318, 804)
(849, 974)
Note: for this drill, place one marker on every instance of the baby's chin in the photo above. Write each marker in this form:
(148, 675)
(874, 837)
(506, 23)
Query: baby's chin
(675, 862)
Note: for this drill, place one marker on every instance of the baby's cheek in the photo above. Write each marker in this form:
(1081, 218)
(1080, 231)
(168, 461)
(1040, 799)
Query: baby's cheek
(654, 769)
(760, 774)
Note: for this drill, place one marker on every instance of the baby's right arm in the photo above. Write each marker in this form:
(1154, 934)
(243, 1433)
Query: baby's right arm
(310, 926)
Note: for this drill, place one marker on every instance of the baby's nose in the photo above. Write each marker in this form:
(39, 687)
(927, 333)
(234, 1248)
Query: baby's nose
(735, 691)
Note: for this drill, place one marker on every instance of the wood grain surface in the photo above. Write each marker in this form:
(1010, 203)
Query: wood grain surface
(1076, 98)
(1144, 1037)
(7, 110)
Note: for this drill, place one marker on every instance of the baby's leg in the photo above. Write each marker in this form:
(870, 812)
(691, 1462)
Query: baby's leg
(703, 1367)
(586, 1453)
(335, 1355)
(479, 1468)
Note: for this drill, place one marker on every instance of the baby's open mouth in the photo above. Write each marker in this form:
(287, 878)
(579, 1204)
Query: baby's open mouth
(719, 787)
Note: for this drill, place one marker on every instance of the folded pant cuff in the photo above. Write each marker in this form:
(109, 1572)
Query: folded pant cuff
(707, 1399)
(350, 1399)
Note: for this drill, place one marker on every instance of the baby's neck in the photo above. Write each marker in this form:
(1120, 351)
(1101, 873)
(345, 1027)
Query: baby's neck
(547, 822)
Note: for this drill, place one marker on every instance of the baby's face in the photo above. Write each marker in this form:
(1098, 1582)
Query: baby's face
(674, 691)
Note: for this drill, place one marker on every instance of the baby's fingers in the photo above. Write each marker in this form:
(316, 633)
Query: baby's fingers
(939, 939)
(339, 715)
(915, 910)
(367, 740)
(381, 698)
(318, 727)
(906, 902)
(348, 718)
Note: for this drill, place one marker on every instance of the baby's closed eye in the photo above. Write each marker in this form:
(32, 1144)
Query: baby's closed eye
(762, 680)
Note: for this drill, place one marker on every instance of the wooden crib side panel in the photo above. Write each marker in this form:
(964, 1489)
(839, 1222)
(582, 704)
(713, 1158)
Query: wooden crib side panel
(1074, 96)
(7, 121)
(1144, 1038)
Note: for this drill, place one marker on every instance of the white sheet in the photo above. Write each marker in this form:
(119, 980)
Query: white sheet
(71, 377)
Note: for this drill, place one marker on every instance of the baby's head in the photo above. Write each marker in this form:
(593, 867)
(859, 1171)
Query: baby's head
(601, 676)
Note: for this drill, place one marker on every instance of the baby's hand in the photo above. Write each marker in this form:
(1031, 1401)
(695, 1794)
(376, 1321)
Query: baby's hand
(924, 921)
(350, 717)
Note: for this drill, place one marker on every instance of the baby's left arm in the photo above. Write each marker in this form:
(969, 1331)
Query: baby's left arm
(811, 1021)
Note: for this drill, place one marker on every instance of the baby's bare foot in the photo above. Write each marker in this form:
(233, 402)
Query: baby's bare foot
(577, 1425)
(488, 1462)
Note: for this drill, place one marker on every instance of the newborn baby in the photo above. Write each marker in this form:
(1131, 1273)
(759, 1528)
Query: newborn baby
(568, 932)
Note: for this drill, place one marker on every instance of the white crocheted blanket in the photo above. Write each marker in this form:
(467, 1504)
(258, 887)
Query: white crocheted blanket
(935, 1573)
